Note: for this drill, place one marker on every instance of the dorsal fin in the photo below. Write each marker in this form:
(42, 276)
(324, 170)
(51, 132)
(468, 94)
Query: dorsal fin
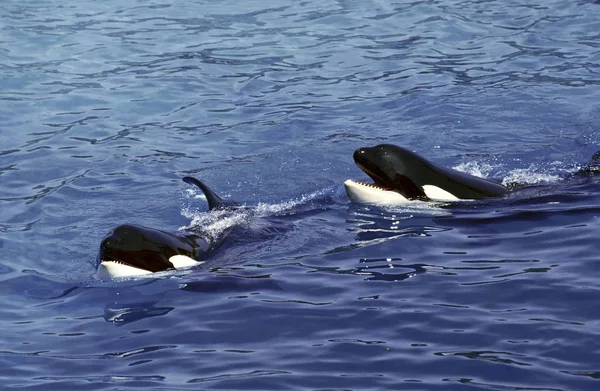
(214, 201)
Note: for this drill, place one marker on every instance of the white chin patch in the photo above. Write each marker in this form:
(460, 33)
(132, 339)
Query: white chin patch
(109, 269)
(437, 194)
(369, 194)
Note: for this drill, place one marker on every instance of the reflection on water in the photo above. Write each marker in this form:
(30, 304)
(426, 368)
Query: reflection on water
(221, 284)
(389, 269)
(104, 106)
(127, 313)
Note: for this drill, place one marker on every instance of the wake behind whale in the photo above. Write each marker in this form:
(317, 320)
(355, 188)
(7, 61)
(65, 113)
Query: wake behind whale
(132, 250)
(400, 176)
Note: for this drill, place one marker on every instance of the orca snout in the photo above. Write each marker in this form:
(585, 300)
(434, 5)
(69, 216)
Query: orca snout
(358, 153)
(370, 153)
(365, 154)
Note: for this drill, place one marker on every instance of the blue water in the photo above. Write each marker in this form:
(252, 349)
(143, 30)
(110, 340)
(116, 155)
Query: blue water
(105, 105)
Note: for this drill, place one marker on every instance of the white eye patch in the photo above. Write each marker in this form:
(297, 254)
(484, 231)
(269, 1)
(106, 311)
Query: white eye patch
(181, 261)
(438, 194)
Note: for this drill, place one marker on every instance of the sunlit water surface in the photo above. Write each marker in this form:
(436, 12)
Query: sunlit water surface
(105, 105)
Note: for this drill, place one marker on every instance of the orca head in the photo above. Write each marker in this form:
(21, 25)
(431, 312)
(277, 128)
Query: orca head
(131, 250)
(393, 170)
(400, 175)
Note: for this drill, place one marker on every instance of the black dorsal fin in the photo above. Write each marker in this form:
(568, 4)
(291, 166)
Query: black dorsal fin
(214, 201)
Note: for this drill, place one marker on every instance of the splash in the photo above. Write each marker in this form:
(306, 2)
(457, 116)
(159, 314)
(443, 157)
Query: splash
(213, 223)
(420, 208)
(265, 209)
(533, 175)
(478, 169)
(216, 222)
(529, 176)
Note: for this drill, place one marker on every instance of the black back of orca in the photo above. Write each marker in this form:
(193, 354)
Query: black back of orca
(462, 185)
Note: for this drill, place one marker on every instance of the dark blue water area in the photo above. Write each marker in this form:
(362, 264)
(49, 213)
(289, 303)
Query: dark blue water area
(106, 105)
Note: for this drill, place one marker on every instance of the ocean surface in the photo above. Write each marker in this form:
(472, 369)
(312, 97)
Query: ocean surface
(106, 105)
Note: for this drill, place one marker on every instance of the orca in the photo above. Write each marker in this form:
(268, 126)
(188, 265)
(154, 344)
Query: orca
(132, 250)
(400, 175)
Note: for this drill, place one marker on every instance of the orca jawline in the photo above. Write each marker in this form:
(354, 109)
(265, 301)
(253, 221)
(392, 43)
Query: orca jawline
(377, 179)
(112, 269)
(117, 269)
(372, 194)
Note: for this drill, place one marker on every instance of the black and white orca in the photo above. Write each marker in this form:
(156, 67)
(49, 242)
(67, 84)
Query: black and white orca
(132, 250)
(400, 175)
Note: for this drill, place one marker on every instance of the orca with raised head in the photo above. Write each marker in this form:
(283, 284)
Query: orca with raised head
(132, 250)
(400, 175)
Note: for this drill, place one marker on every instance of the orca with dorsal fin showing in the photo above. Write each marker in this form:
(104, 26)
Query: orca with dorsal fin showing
(132, 250)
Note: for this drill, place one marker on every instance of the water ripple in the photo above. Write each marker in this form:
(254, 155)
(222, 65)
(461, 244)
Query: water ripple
(105, 105)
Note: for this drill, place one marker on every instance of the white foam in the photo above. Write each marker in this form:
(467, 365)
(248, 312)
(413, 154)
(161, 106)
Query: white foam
(215, 222)
(264, 209)
(478, 169)
(533, 175)
(529, 176)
